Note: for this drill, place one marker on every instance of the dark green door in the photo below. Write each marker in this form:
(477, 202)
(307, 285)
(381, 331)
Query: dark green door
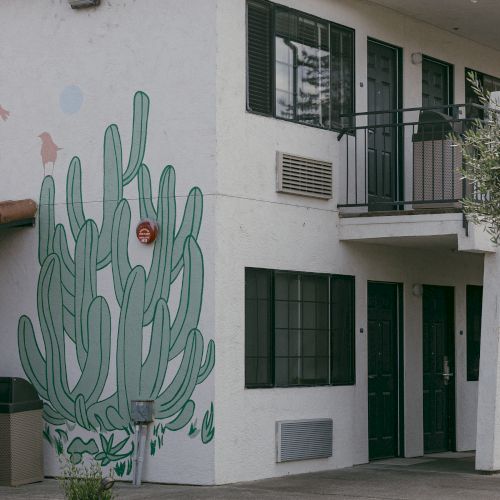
(382, 370)
(438, 361)
(382, 140)
(436, 84)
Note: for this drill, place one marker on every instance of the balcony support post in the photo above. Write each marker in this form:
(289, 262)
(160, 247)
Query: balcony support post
(488, 414)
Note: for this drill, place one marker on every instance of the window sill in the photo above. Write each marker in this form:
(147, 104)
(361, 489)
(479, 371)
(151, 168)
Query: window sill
(336, 130)
(298, 386)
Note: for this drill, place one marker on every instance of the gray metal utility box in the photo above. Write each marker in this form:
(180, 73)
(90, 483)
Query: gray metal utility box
(21, 454)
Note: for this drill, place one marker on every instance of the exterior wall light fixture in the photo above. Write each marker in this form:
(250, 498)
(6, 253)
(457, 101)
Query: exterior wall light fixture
(416, 58)
(81, 4)
(417, 290)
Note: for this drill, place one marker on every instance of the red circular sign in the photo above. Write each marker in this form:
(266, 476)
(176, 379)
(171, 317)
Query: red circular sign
(146, 231)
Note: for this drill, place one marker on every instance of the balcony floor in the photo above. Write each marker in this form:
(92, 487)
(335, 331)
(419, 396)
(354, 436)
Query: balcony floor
(439, 228)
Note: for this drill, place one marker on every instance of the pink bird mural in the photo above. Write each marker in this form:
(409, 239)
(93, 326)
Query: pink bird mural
(4, 114)
(49, 150)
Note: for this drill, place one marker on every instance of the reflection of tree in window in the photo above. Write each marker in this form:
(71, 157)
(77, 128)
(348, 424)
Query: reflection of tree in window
(302, 70)
(489, 83)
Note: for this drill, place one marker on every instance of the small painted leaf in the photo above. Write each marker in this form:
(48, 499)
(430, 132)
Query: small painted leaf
(115, 449)
(59, 446)
(153, 447)
(207, 427)
(46, 434)
(63, 435)
(120, 469)
(129, 466)
(104, 442)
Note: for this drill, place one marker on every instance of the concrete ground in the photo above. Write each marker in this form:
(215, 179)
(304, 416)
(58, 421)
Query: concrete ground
(443, 476)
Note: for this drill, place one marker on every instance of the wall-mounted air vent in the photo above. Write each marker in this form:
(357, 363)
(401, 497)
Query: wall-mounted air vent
(304, 176)
(303, 439)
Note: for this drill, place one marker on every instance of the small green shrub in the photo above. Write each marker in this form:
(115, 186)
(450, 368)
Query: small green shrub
(83, 482)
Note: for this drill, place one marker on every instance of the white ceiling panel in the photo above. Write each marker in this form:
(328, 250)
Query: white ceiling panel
(477, 20)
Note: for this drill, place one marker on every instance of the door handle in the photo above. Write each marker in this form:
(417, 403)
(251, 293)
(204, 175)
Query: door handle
(446, 371)
(447, 377)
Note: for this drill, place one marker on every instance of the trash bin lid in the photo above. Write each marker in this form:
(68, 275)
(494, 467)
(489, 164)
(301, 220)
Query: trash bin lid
(17, 394)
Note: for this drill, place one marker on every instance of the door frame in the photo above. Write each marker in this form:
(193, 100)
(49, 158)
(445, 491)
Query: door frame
(451, 396)
(400, 165)
(399, 363)
(451, 78)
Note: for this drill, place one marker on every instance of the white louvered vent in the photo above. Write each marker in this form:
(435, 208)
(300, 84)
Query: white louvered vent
(304, 176)
(303, 439)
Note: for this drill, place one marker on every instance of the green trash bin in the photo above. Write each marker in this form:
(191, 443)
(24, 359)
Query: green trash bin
(21, 427)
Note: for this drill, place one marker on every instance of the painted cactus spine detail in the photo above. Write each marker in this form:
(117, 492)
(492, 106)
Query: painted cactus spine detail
(70, 308)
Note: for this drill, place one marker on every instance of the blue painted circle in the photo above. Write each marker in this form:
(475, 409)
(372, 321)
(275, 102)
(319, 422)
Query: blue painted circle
(71, 99)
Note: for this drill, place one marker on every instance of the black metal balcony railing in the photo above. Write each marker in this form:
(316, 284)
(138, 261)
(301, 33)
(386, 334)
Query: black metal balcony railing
(404, 159)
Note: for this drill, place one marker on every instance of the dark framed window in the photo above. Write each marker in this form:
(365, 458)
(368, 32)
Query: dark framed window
(474, 309)
(299, 68)
(299, 329)
(488, 82)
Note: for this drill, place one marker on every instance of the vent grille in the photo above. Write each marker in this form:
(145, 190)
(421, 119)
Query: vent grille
(303, 439)
(304, 176)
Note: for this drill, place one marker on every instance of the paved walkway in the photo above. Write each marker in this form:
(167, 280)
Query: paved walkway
(445, 476)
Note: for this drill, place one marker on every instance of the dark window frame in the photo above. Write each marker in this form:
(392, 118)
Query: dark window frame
(350, 376)
(473, 337)
(471, 97)
(335, 127)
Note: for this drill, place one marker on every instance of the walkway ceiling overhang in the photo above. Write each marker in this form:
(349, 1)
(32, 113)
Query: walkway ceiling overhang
(476, 20)
(17, 213)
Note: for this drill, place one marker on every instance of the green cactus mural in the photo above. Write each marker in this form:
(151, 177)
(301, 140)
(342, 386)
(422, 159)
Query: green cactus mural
(71, 310)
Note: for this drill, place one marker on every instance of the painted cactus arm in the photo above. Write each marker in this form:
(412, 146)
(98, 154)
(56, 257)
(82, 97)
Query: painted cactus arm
(60, 247)
(120, 261)
(31, 358)
(184, 417)
(86, 285)
(188, 313)
(104, 415)
(155, 366)
(158, 282)
(51, 323)
(174, 397)
(190, 226)
(129, 342)
(46, 219)
(51, 416)
(95, 372)
(74, 202)
(208, 364)
(139, 134)
(146, 207)
(112, 191)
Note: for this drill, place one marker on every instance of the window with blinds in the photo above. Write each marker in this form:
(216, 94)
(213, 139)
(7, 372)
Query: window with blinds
(299, 68)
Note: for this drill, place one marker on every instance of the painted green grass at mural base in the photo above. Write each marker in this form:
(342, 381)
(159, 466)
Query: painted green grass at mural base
(70, 308)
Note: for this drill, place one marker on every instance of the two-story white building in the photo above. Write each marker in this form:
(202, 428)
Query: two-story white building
(314, 297)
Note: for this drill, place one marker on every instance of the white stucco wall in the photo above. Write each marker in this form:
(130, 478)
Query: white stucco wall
(257, 227)
(189, 57)
(165, 48)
